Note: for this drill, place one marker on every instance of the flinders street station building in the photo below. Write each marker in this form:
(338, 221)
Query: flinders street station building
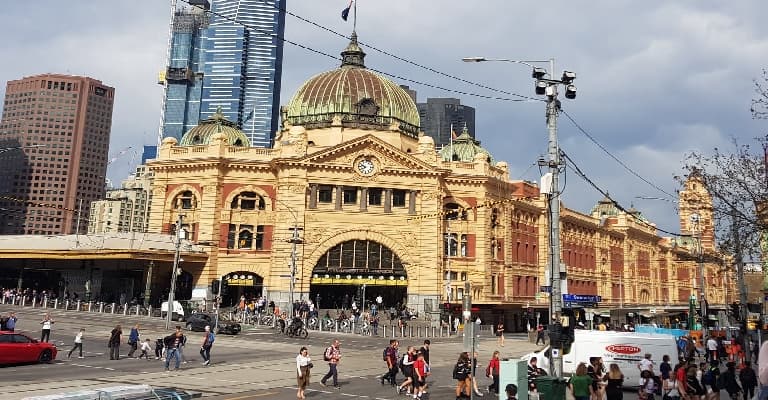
(354, 200)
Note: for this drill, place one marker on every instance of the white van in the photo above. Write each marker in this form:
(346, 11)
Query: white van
(179, 313)
(623, 348)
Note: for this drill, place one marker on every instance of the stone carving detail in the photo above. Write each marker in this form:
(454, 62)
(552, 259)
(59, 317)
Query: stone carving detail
(315, 236)
(426, 196)
(298, 189)
(409, 240)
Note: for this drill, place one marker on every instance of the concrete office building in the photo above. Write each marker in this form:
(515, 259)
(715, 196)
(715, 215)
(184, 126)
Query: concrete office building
(124, 209)
(54, 138)
(439, 114)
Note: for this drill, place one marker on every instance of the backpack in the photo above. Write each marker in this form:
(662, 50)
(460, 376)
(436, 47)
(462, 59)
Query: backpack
(722, 380)
(401, 363)
(211, 338)
(709, 379)
(385, 354)
(457, 372)
(327, 353)
(656, 385)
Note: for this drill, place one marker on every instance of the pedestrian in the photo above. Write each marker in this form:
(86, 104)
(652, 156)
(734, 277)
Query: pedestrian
(47, 323)
(181, 349)
(647, 385)
(461, 373)
(332, 355)
(425, 350)
(205, 348)
(748, 380)
(146, 348)
(492, 371)
(159, 348)
(303, 367)
(540, 335)
(665, 368)
(390, 358)
(78, 344)
(419, 376)
(728, 381)
(473, 374)
(406, 365)
(614, 380)
(694, 390)
(172, 344)
(511, 391)
(712, 349)
(595, 370)
(133, 340)
(114, 343)
(581, 384)
(10, 324)
(500, 333)
(533, 372)
(645, 364)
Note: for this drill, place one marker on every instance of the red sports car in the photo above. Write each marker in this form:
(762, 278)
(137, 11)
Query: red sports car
(17, 348)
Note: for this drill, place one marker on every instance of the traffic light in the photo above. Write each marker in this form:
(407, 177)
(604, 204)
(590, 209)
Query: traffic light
(215, 287)
(447, 306)
(736, 311)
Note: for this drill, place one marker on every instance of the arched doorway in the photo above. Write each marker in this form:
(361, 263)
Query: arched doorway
(359, 269)
(240, 283)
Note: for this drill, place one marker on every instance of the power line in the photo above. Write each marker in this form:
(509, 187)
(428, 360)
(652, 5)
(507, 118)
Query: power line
(605, 150)
(520, 98)
(571, 164)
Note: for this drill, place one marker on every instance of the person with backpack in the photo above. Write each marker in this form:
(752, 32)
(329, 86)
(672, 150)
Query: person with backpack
(406, 366)
(332, 355)
(727, 381)
(390, 358)
(461, 373)
(133, 340)
(748, 380)
(205, 348)
(709, 380)
(692, 387)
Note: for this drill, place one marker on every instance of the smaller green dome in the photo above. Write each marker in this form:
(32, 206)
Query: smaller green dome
(218, 123)
(464, 148)
(605, 208)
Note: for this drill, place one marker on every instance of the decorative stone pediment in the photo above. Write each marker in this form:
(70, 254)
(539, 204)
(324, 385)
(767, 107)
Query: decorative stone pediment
(384, 157)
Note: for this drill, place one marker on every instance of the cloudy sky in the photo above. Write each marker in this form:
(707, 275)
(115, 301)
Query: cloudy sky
(656, 79)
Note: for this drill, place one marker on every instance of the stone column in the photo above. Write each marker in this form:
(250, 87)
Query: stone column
(412, 202)
(387, 200)
(363, 199)
(339, 194)
(313, 196)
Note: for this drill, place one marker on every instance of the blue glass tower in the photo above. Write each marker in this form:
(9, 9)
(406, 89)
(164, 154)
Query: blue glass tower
(215, 61)
(243, 66)
(183, 76)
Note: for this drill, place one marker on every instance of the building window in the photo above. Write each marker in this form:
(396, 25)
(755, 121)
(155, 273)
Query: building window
(453, 211)
(398, 198)
(493, 284)
(464, 245)
(374, 196)
(185, 201)
(245, 237)
(248, 201)
(350, 195)
(450, 244)
(325, 194)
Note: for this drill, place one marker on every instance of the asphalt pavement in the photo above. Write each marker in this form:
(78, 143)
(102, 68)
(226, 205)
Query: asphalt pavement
(257, 364)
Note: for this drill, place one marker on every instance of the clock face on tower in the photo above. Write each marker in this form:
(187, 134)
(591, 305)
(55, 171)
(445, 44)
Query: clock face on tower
(365, 166)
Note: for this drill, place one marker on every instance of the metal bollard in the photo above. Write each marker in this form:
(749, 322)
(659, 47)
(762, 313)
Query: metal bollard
(24, 302)
(56, 303)
(101, 307)
(149, 311)
(125, 309)
(113, 308)
(410, 331)
(66, 304)
(90, 306)
(34, 302)
(337, 326)
(45, 302)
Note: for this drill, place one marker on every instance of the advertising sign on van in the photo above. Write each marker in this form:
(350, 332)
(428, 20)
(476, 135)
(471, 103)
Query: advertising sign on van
(623, 349)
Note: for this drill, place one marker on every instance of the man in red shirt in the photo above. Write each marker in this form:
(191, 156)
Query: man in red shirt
(419, 376)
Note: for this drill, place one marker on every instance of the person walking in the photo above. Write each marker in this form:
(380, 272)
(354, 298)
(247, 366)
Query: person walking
(390, 358)
(146, 348)
(114, 343)
(748, 380)
(10, 324)
(492, 371)
(78, 344)
(47, 324)
(332, 355)
(205, 348)
(462, 375)
(540, 335)
(500, 333)
(406, 365)
(173, 343)
(581, 384)
(728, 381)
(614, 380)
(133, 340)
(303, 367)
(419, 376)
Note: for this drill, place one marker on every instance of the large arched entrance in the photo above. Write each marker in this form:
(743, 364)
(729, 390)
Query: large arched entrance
(355, 270)
(238, 284)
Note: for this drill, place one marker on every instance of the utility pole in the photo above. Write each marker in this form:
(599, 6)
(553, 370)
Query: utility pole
(739, 260)
(174, 273)
(696, 220)
(294, 240)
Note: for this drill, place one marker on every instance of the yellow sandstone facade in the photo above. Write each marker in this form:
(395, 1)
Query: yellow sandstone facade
(381, 212)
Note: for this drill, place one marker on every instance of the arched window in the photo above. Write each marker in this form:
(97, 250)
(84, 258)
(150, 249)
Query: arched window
(245, 237)
(248, 201)
(454, 211)
(185, 201)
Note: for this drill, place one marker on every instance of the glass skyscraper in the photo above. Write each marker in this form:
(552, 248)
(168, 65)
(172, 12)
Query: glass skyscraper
(235, 58)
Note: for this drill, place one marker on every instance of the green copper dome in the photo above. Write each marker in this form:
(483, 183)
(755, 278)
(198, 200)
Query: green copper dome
(355, 95)
(464, 148)
(218, 123)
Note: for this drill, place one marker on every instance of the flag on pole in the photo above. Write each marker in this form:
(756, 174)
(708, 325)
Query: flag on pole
(345, 12)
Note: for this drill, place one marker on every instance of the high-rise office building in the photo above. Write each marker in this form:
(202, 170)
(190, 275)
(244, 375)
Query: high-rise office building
(227, 58)
(183, 76)
(125, 209)
(54, 138)
(438, 115)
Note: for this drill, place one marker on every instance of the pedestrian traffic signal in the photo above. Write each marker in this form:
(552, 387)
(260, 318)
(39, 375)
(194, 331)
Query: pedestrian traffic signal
(215, 287)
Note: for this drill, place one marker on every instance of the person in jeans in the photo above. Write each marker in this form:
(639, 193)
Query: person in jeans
(332, 355)
(47, 323)
(133, 340)
(10, 324)
(78, 344)
(114, 343)
(173, 344)
(390, 358)
(205, 348)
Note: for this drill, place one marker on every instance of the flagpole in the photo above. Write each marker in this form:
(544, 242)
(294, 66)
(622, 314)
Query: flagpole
(354, 17)
(451, 142)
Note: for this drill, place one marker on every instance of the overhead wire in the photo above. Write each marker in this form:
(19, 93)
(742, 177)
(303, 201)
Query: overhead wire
(571, 164)
(521, 98)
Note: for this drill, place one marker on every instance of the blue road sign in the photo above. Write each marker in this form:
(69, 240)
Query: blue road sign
(581, 298)
(545, 289)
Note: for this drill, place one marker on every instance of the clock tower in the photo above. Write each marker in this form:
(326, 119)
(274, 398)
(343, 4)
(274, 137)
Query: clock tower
(696, 210)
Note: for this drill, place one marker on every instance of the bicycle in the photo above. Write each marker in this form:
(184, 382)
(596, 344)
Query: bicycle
(313, 323)
(296, 329)
(365, 329)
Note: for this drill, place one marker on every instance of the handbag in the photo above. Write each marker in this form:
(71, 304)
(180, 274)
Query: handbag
(672, 394)
(310, 365)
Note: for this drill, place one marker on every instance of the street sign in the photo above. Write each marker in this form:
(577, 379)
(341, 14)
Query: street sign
(581, 298)
(573, 304)
(548, 289)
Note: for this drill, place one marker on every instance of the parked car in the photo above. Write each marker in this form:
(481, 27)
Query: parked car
(17, 348)
(181, 309)
(197, 322)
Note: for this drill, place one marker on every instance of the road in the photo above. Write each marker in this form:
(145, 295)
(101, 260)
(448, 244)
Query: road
(257, 364)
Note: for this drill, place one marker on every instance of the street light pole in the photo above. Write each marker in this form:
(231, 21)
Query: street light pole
(547, 85)
(695, 220)
(174, 273)
(294, 240)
